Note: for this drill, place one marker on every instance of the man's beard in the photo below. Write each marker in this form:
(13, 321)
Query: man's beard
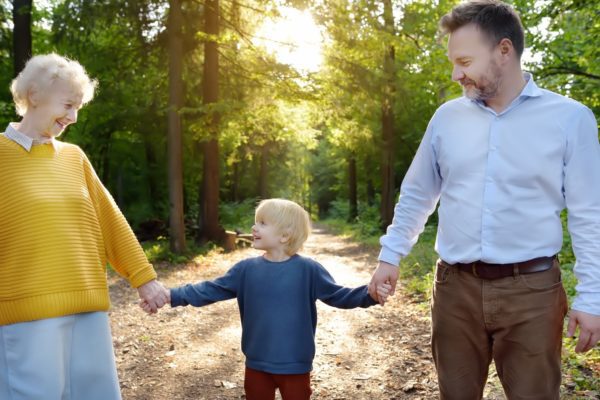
(486, 88)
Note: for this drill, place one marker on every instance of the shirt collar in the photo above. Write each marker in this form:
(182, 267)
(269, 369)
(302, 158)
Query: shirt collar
(23, 140)
(529, 90)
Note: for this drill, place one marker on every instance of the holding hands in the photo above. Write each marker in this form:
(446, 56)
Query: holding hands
(383, 282)
(153, 295)
(383, 291)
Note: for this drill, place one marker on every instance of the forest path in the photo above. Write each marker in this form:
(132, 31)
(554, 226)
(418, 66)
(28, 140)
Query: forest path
(194, 353)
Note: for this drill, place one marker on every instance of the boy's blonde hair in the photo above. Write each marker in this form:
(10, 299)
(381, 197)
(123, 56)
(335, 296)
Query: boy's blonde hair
(42, 71)
(289, 217)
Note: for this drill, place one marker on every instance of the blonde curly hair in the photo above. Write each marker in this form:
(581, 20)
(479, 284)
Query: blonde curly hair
(42, 71)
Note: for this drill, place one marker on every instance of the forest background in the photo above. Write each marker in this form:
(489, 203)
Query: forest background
(205, 107)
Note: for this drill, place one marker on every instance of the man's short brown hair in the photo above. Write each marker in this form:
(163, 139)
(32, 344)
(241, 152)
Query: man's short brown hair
(496, 19)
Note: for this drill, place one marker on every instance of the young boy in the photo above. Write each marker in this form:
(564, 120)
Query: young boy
(276, 295)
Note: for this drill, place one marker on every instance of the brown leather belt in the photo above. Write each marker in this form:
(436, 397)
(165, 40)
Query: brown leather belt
(496, 271)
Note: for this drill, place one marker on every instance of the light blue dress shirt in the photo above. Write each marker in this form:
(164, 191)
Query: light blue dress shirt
(502, 180)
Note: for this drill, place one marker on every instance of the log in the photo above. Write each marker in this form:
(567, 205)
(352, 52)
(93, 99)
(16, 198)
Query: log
(229, 241)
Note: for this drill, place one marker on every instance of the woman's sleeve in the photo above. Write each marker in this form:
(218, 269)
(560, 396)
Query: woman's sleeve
(122, 249)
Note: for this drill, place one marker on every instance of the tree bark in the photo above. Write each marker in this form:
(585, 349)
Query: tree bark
(263, 174)
(235, 182)
(21, 33)
(352, 189)
(387, 124)
(210, 228)
(174, 138)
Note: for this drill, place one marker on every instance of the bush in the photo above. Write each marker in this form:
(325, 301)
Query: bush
(368, 221)
(237, 217)
(366, 227)
(158, 250)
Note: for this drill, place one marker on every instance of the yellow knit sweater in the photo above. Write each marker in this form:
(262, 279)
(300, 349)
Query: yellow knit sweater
(58, 228)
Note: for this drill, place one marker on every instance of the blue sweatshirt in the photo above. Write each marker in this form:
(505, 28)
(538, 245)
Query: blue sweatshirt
(277, 308)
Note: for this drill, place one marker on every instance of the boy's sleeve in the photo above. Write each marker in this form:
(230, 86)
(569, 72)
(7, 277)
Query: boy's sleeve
(330, 293)
(208, 292)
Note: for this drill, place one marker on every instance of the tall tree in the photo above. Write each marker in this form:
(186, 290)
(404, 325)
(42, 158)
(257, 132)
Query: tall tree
(209, 214)
(21, 33)
(175, 158)
(352, 189)
(387, 120)
(263, 172)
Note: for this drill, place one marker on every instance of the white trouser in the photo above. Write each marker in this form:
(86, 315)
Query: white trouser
(65, 358)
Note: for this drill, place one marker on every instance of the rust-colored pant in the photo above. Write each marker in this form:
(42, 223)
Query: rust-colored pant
(516, 321)
(262, 385)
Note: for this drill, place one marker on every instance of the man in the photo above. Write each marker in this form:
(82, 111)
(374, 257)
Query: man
(503, 160)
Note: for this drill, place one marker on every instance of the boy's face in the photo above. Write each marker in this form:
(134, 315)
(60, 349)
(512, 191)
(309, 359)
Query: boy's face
(267, 236)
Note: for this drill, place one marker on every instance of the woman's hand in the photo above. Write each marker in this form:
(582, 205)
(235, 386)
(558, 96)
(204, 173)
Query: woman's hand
(153, 295)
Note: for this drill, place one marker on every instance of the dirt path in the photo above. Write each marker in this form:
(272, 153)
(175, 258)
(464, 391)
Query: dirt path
(194, 353)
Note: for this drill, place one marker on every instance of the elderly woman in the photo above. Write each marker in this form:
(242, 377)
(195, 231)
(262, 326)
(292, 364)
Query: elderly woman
(59, 227)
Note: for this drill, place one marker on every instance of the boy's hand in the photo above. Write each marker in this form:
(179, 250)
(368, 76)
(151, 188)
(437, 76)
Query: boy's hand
(384, 274)
(383, 291)
(146, 307)
(149, 310)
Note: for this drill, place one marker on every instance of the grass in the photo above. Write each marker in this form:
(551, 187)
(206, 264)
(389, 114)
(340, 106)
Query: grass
(158, 251)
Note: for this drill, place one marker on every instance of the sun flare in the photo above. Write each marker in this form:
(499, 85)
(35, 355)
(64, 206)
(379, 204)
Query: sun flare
(294, 38)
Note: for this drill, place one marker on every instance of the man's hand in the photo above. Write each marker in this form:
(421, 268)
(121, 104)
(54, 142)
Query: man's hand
(153, 296)
(384, 274)
(589, 330)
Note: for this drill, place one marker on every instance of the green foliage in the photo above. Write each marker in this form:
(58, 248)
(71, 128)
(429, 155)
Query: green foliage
(580, 370)
(418, 268)
(562, 36)
(366, 228)
(158, 251)
(238, 217)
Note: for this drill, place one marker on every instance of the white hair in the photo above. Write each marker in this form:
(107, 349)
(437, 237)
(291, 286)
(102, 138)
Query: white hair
(42, 71)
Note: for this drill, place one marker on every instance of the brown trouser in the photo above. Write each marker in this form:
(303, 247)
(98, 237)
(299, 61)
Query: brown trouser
(261, 385)
(516, 321)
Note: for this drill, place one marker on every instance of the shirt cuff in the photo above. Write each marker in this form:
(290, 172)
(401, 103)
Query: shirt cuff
(390, 257)
(588, 303)
(175, 297)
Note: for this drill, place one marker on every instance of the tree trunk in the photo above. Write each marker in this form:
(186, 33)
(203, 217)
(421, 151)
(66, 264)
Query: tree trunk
(387, 124)
(370, 192)
(352, 189)
(151, 168)
(174, 139)
(235, 182)
(21, 33)
(263, 173)
(210, 228)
